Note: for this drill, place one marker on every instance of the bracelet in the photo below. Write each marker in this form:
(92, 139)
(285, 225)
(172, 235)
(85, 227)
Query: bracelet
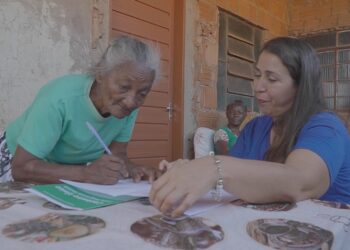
(217, 192)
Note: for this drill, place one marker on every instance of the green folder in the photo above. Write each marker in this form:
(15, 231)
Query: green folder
(71, 197)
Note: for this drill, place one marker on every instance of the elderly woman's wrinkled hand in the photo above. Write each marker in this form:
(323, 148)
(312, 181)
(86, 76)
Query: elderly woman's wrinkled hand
(137, 173)
(108, 169)
(182, 185)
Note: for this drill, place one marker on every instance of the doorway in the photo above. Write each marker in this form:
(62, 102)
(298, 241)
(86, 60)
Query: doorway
(158, 129)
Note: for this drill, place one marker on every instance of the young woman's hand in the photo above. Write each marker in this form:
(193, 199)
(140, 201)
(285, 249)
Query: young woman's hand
(182, 185)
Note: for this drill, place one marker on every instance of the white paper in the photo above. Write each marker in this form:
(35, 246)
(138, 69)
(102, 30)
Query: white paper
(142, 189)
(207, 202)
(123, 187)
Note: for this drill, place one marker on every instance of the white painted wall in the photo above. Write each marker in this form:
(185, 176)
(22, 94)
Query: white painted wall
(41, 40)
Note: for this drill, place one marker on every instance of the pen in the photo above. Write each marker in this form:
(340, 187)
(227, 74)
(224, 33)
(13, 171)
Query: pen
(98, 137)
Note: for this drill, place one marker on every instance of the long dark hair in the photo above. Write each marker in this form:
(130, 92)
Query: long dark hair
(303, 65)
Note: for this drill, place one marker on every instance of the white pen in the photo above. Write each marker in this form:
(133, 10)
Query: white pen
(98, 137)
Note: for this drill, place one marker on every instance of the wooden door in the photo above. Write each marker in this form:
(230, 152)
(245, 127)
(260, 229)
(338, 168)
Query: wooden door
(151, 21)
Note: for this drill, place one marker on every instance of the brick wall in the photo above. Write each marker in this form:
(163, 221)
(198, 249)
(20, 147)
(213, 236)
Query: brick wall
(271, 15)
(277, 17)
(310, 16)
(315, 16)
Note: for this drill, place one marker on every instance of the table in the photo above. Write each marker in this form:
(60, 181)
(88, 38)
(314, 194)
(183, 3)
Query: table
(233, 226)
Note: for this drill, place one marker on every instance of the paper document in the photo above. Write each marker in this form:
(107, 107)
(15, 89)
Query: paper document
(123, 187)
(207, 203)
(142, 189)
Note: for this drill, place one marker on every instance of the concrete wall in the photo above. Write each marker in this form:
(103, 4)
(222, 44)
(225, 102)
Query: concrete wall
(189, 91)
(43, 39)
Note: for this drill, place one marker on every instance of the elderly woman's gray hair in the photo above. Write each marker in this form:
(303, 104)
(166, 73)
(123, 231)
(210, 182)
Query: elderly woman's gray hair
(127, 49)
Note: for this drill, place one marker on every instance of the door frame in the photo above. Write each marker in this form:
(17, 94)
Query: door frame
(177, 129)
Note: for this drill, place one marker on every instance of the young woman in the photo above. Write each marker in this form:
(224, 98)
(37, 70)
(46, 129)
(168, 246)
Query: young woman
(294, 152)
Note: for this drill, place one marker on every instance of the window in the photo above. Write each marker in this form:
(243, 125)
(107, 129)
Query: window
(334, 52)
(239, 45)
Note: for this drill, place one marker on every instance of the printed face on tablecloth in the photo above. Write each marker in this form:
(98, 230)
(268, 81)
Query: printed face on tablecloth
(332, 204)
(54, 227)
(14, 187)
(184, 233)
(9, 202)
(276, 206)
(289, 234)
(53, 206)
(339, 219)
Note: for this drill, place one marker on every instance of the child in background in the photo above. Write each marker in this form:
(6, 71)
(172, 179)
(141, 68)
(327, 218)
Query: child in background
(226, 137)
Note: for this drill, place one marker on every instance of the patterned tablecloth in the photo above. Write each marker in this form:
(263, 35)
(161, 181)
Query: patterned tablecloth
(29, 222)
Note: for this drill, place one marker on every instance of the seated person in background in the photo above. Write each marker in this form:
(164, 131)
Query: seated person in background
(51, 141)
(295, 151)
(226, 137)
(203, 142)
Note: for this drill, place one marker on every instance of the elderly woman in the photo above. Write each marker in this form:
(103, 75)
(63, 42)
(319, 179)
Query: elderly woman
(51, 141)
(295, 151)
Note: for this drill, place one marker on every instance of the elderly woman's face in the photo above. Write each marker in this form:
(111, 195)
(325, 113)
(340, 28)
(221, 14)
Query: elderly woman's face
(273, 86)
(125, 89)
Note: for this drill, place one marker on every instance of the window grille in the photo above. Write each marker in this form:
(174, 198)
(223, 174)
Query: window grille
(334, 52)
(239, 45)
